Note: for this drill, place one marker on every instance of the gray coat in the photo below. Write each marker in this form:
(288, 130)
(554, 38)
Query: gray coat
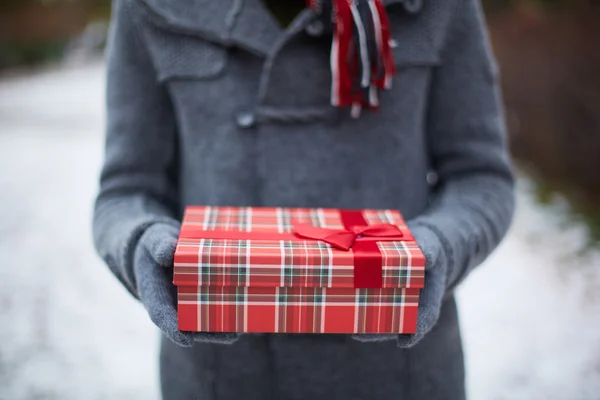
(211, 102)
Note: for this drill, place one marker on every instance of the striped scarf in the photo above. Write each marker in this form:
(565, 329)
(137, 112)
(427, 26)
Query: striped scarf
(361, 59)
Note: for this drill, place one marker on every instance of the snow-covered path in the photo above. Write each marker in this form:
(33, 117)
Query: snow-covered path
(530, 315)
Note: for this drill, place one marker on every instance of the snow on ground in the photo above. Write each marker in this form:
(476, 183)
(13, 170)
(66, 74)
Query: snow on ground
(530, 315)
(67, 329)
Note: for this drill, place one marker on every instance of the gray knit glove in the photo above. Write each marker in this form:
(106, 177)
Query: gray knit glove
(430, 300)
(153, 269)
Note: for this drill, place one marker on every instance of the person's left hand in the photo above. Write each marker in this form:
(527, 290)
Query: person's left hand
(431, 296)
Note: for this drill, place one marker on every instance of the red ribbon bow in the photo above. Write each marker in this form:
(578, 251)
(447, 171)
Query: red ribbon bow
(344, 238)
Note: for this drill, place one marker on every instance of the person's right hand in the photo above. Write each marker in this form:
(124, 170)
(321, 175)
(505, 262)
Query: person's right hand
(153, 269)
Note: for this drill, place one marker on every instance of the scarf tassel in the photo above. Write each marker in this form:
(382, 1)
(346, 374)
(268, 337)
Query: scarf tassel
(358, 70)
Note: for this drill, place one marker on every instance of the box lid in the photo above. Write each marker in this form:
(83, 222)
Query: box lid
(286, 261)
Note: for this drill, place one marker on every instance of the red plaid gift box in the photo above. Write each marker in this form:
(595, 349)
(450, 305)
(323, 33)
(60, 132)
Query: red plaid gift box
(290, 270)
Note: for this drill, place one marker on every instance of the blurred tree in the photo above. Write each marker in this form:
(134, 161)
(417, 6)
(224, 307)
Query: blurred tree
(34, 31)
(549, 59)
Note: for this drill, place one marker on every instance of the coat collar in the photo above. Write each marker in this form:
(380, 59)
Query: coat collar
(245, 23)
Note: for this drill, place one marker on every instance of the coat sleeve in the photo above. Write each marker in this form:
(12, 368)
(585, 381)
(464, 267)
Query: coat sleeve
(473, 203)
(138, 185)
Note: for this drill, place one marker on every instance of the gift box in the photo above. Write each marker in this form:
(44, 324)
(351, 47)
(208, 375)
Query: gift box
(292, 270)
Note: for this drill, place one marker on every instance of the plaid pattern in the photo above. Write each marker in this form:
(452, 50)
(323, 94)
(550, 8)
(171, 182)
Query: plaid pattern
(297, 310)
(283, 263)
(261, 219)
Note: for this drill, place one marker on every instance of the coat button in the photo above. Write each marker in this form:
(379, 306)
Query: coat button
(245, 120)
(432, 178)
(315, 29)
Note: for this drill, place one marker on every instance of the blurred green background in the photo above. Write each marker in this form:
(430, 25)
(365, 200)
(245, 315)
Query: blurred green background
(547, 51)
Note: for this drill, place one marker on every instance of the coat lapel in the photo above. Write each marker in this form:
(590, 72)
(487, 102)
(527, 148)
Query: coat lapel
(246, 23)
